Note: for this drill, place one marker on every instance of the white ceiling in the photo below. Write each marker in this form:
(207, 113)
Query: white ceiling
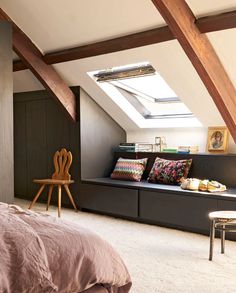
(58, 24)
(208, 7)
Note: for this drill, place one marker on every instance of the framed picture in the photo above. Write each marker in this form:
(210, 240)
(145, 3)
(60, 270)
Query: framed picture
(217, 139)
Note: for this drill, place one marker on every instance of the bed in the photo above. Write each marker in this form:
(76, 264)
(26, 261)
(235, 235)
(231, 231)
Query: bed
(40, 253)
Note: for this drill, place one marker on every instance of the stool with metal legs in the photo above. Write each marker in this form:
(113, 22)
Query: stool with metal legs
(222, 221)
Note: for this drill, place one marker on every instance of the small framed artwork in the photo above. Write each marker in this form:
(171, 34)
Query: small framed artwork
(217, 139)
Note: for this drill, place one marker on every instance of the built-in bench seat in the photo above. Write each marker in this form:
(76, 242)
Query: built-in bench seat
(166, 205)
(230, 193)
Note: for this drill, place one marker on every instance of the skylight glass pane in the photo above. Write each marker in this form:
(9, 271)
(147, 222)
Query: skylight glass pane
(164, 108)
(152, 85)
(146, 97)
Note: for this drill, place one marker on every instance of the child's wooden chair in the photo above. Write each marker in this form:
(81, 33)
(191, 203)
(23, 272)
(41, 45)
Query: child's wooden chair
(61, 177)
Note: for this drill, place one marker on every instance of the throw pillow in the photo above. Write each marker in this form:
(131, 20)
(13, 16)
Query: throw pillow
(169, 171)
(129, 169)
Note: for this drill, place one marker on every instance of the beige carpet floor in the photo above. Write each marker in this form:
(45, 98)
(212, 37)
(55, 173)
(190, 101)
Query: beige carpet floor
(159, 259)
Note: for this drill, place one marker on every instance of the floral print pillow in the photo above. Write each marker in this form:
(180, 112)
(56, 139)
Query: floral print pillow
(169, 171)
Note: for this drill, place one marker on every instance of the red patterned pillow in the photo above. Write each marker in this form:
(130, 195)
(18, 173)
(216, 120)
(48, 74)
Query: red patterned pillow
(169, 171)
(129, 169)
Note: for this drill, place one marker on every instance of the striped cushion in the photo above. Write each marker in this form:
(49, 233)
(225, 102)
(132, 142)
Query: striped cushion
(129, 169)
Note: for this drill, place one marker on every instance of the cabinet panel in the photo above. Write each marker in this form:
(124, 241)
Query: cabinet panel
(177, 210)
(36, 144)
(20, 157)
(227, 205)
(57, 131)
(118, 201)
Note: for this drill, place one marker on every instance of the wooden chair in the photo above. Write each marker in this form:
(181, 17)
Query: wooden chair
(61, 177)
(222, 221)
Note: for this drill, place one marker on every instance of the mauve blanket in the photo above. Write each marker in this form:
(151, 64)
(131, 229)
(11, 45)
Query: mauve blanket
(39, 253)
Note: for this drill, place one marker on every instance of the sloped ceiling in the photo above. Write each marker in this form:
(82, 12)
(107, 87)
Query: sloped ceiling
(58, 24)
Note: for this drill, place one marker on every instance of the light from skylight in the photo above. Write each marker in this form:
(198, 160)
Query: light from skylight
(152, 85)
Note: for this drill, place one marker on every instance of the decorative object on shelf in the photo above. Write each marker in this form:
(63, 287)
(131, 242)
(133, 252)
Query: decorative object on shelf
(194, 149)
(217, 139)
(188, 149)
(160, 143)
(184, 149)
(135, 147)
(170, 150)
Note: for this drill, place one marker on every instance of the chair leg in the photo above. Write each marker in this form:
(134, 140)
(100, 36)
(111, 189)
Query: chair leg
(222, 240)
(49, 196)
(70, 196)
(212, 236)
(37, 196)
(59, 200)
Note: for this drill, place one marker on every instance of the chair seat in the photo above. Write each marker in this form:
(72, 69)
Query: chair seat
(224, 215)
(53, 181)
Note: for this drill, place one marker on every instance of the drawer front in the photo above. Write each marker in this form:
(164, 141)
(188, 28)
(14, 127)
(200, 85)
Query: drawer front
(109, 199)
(177, 210)
(226, 205)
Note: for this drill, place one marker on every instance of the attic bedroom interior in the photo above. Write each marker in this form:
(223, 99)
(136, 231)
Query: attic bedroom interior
(118, 146)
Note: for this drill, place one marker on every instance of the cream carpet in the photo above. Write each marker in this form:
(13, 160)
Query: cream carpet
(159, 259)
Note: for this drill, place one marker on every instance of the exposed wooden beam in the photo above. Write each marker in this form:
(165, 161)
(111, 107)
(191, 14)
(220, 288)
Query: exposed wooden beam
(45, 73)
(153, 36)
(157, 35)
(217, 22)
(199, 50)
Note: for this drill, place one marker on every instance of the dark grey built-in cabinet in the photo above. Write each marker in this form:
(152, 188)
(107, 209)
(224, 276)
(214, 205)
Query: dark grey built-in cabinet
(110, 200)
(175, 209)
(41, 127)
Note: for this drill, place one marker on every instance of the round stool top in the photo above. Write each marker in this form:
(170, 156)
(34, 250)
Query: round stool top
(223, 215)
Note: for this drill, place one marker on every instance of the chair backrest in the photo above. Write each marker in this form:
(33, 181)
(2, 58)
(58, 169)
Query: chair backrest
(62, 162)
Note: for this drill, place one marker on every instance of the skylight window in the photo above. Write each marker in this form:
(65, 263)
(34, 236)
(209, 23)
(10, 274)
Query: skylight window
(146, 91)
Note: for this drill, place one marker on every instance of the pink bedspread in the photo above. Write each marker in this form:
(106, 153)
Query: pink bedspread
(39, 253)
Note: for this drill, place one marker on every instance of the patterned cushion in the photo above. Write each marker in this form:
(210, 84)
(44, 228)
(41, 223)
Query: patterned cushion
(129, 169)
(169, 172)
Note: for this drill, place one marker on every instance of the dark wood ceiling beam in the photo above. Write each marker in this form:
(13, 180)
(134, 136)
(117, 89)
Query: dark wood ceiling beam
(157, 35)
(217, 22)
(199, 50)
(45, 73)
(153, 36)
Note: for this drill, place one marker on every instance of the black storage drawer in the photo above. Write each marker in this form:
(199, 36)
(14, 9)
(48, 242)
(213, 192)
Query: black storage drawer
(176, 210)
(226, 205)
(109, 199)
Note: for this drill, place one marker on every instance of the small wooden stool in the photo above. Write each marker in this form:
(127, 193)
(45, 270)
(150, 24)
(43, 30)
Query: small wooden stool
(222, 221)
(61, 177)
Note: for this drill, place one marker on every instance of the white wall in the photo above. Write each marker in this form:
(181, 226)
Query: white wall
(176, 137)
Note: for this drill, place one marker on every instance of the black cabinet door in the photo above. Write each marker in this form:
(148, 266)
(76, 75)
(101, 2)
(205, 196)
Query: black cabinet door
(108, 199)
(20, 153)
(176, 210)
(36, 144)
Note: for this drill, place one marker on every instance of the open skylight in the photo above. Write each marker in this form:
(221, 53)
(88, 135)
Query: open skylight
(147, 92)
